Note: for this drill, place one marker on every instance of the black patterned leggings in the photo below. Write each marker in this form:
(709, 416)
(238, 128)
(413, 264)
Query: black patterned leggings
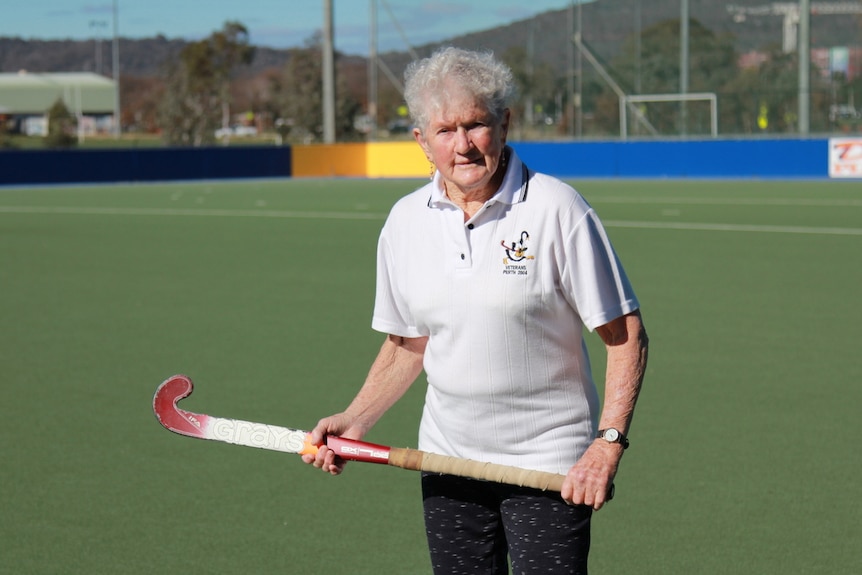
(477, 527)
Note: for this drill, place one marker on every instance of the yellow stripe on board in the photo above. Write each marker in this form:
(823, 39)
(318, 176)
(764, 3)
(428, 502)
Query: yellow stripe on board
(371, 160)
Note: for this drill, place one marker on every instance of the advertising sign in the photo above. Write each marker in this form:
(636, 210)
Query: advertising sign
(845, 157)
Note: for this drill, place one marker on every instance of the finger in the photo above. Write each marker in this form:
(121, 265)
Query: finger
(572, 494)
(319, 460)
(602, 496)
(575, 487)
(329, 461)
(335, 465)
(318, 435)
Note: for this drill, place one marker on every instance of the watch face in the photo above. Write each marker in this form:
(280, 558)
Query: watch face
(612, 435)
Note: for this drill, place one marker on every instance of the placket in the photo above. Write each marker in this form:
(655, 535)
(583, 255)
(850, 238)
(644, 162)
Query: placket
(463, 244)
(469, 231)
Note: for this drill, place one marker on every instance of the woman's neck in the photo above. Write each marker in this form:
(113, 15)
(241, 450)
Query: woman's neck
(470, 201)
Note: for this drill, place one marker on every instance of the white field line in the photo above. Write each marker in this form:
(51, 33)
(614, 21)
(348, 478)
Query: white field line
(192, 212)
(734, 228)
(795, 202)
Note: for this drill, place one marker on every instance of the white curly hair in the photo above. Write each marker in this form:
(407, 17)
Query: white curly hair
(479, 74)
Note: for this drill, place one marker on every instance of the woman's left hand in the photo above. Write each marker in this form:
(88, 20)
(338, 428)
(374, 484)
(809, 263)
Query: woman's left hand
(589, 481)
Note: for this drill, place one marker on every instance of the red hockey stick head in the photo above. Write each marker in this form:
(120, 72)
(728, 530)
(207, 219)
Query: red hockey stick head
(172, 417)
(235, 431)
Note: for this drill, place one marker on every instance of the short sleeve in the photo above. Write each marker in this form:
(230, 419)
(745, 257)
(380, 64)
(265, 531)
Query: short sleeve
(593, 278)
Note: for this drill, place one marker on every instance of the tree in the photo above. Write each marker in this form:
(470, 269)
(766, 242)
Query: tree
(197, 96)
(299, 96)
(765, 99)
(5, 140)
(231, 49)
(846, 116)
(536, 85)
(61, 126)
(142, 97)
(656, 69)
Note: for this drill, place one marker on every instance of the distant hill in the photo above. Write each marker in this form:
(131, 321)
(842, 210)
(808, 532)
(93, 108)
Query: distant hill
(606, 25)
(143, 57)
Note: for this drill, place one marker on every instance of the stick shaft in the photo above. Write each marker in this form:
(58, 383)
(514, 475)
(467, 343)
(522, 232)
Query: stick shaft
(277, 438)
(421, 461)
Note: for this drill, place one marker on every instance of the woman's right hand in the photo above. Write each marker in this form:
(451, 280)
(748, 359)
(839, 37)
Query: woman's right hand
(397, 365)
(340, 425)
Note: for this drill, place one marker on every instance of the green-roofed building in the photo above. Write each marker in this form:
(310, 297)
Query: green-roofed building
(27, 96)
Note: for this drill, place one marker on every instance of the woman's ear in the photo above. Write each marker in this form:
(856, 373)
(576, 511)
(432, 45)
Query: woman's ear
(504, 124)
(420, 139)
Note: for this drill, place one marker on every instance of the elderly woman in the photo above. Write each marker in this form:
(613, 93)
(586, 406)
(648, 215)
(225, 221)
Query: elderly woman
(486, 277)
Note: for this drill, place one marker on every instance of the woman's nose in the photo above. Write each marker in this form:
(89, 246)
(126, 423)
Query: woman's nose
(462, 140)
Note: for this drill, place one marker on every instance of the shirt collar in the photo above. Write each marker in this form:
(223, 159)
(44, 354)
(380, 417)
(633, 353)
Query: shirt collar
(513, 190)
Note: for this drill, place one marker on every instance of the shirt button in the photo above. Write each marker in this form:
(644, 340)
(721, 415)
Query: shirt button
(470, 226)
(462, 256)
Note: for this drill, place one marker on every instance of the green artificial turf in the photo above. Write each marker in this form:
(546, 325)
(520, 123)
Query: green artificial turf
(743, 456)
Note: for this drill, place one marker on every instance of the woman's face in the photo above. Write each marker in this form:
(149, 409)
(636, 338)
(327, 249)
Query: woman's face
(465, 142)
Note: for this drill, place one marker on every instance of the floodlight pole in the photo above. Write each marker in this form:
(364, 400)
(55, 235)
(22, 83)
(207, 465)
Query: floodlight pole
(638, 46)
(570, 71)
(683, 65)
(372, 71)
(529, 107)
(116, 70)
(804, 46)
(97, 39)
(580, 76)
(328, 75)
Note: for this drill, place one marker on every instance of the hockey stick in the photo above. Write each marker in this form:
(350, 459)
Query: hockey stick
(276, 438)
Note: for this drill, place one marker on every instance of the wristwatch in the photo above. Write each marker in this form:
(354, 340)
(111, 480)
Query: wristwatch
(613, 436)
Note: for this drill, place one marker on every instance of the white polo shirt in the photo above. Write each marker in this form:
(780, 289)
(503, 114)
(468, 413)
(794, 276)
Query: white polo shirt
(504, 298)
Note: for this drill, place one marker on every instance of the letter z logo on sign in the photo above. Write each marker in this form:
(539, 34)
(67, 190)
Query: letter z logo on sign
(845, 158)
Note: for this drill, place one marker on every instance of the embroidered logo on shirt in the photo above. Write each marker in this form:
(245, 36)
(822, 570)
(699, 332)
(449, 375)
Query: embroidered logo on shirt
(516, 253)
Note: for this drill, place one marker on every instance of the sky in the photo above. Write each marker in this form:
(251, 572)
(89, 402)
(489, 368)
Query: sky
(401, 24)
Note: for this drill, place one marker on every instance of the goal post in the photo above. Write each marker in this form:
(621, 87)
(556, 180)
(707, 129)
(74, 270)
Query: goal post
(626, 101)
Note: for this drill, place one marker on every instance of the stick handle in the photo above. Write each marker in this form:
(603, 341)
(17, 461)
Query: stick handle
(421, 461)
